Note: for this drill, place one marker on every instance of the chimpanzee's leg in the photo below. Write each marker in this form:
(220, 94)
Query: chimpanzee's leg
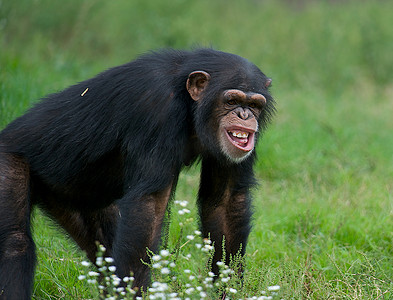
(139, 228)
(17, 250)
(88, 228)
(224, 207)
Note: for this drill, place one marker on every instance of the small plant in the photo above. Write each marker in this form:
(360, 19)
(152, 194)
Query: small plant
(172, 278)
(105, 280)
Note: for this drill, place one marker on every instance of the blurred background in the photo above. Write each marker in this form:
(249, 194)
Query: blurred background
(325, 45)
(325, 204)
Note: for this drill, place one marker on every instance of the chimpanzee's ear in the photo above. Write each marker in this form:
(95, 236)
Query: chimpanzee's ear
(268, 82)
(196, 83)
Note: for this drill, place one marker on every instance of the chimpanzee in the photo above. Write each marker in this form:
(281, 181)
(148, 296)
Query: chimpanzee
(102, 158)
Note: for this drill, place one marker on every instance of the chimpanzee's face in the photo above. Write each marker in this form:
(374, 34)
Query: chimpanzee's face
(230, 119)
(238, 125)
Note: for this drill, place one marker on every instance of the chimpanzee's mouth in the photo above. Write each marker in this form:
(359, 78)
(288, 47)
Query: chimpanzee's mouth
(241, 138)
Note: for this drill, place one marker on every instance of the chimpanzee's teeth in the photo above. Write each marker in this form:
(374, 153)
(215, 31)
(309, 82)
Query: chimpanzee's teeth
(239, 134)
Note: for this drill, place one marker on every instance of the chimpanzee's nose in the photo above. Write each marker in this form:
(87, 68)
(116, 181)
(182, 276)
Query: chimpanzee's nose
(242, 113)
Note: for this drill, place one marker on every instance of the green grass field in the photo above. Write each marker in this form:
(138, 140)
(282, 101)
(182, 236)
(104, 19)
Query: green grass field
(323, 222)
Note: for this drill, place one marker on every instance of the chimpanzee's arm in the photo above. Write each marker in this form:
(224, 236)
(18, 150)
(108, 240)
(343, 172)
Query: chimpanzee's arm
(225, 207)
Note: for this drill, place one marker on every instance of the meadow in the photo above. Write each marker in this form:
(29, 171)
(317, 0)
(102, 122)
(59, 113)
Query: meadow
(323, 220)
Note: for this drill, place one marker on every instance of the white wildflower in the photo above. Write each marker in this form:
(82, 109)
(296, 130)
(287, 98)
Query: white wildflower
(112, 268)
(207, 248)
(109, 260)
(184, 211)
(156, 266)
(156, 257)
(182, 203)
(85, 263)
(99, 261)
(164, 253)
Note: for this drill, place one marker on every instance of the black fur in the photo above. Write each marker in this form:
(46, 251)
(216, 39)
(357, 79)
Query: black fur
(102, 156)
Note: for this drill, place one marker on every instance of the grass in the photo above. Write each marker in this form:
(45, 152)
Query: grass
(323, 223)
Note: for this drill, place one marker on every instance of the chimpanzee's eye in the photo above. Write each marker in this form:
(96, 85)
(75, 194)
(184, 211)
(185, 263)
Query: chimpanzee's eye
(231, 102)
